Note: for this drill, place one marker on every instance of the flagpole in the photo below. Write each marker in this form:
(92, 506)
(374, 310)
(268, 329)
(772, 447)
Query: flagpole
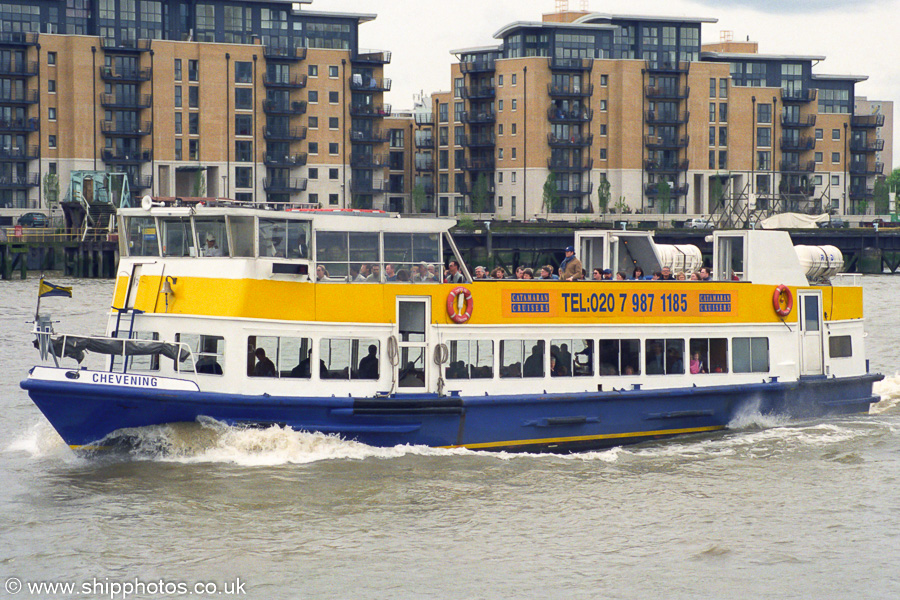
(37, 310)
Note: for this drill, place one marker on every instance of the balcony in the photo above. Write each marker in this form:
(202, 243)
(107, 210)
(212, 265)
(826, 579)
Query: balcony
(789, 166)
(557, 115)
(797, 144)
(426, 164)
(291, 109)
(571, 64)
(368, 161)
(21, 97)
(480, 164)
(140, 182)
(657, 142)
(860, 121)
(374, 136)
(18, 154)
(576, 140)
(285, 160)
(668, 66)
(652, 166)
(861, 192)
(484, 65)
(652, 191)
(274, 53)
(114, 45)
(666, 117)
(125, 75)
(857, 145)
(424, 139)
(424, 118)
(479, 140)
(372, 57)
(863, 168)
(570, 165)
(20, 181)
(570, 205)
(112, 129)
(116, 156)
(585, 187)
(358, 83)
(20, 125)
(798, 122)
(18, 68)
(478, 92)
(284, 185)
(372, 111)
(296, 82)
(570, 91)
(667, 92)
(798, 96)
(478, 117)
(290, 134)
(366, 187)
(18, 38)
(133, 102)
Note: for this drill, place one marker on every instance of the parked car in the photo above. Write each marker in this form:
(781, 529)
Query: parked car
(700, 223)
(33, 219)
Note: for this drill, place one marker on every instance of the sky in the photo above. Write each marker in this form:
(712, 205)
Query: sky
(858, 37)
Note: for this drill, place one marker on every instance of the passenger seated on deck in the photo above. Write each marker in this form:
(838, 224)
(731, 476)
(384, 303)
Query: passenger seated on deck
(534, 364)
(457, 370)
(674, 363)
(264, 366)
(368, 366)
(207, 362)
(655, 364)
(301, 371)
(696, 364)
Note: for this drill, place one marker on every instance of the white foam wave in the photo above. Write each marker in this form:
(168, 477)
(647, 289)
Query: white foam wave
(41, 441)
(889, 390)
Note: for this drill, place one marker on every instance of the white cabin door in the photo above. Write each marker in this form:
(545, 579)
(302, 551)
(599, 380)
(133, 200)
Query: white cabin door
(811, 349)
(413, 321)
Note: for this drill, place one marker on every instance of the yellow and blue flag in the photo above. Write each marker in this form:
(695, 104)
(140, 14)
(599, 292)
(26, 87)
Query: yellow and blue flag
(51, 289)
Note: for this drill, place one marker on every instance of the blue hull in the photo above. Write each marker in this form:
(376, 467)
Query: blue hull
(85, 415)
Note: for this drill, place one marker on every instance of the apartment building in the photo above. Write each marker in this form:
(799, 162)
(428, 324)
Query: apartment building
(264, 101)
(640, 109)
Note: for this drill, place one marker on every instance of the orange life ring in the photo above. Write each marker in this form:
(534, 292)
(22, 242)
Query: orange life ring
(459, 304)
(782, 301)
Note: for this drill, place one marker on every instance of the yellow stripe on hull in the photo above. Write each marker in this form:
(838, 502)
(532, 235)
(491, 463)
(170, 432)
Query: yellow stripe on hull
(588, 438)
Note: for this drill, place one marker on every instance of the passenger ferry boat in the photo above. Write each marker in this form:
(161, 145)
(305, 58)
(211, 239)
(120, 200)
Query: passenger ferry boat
(332, 322)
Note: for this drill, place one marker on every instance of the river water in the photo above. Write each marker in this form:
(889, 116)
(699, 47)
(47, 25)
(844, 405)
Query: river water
(770, 509)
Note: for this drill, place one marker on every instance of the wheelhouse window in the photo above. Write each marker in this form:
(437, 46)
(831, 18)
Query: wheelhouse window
(177, 237)
(751, 355)
(571, 357)
(619, 357)
(470, 359)
(708, 355)
(141, 236)
(208, 352)
(356, 359)
(279, 357)
(521, 358)
(284, 238)
(840, 346)
(212, 236)
(665, 357)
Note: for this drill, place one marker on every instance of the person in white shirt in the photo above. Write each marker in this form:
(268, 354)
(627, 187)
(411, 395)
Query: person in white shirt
(211, 248)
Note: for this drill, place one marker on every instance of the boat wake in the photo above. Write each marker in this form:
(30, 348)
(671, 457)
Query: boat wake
(889, 390)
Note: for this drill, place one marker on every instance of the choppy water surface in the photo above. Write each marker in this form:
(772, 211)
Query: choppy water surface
(771, 509)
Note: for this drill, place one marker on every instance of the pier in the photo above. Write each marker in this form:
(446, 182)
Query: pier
(44, 249)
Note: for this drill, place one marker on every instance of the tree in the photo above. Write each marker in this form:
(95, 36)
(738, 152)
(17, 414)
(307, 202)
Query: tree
(480, 194)
(200, 183)
(893, 184)
(621, 205)
(664, 195)
(419, 197)
(551, 194)
(882, 199)
(716, 191)
(603, 195)
(51, 190)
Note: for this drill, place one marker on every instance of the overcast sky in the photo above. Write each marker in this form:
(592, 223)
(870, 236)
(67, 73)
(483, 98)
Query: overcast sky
(858, 37)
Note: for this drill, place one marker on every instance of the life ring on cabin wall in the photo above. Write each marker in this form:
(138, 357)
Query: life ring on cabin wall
(782, 301)
(459, 304)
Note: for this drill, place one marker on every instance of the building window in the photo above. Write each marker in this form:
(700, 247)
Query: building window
(819, 157)
(51, 141)
(313, 198)
(51, 168)
(603, 106)
(51, 113)
(332, 199)
(513, 153)
(333, 122)
(242, 177)
(333, 71)
(313, 70)
(514, 129)
(443, 112)
(243, 72)
(51, 86)
(514, 79)
(313, 96)
(499, 81)
(723, 88)
(333, 174)
(514, 102)
(602, 153)
(820, 134)
(178, 97)
(836, 134)
(194, 150)
(500, 155)
(602, 128)
(313, 173)
(333, 148)
(512, 205)
(764, 137)
(764, 113)
(817, 180)
(604, 80)
(712, 112)
(458, 85)
(836, 180)
(314, 147)
(193, 97)
(835, 157)
(712, 159)
(194, 70)
(723, 136)
(397, 138)
(723, 112)
(764, 161)
(723, 159)
(313, 122)
(177, 69)
(51, 58)
(500, 129)
(178, 152)
(500, 105)
(194, 124)
(712, 135)
(334, 97)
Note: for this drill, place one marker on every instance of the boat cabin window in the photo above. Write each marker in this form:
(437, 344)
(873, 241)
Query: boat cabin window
(283, 238)
(620, 357)
(347, 256)
(570, 358)
(708, 355)
(413, 257)
(141, 236)
(212, 237)
(208, 351)
(242, 229)
(279, 357)
(730, 263)
(356, 358)
(470, 359)
(143, 362)
(840, 346)
(751, 355)
(521, 358)
(177, 236)
(665, 357)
